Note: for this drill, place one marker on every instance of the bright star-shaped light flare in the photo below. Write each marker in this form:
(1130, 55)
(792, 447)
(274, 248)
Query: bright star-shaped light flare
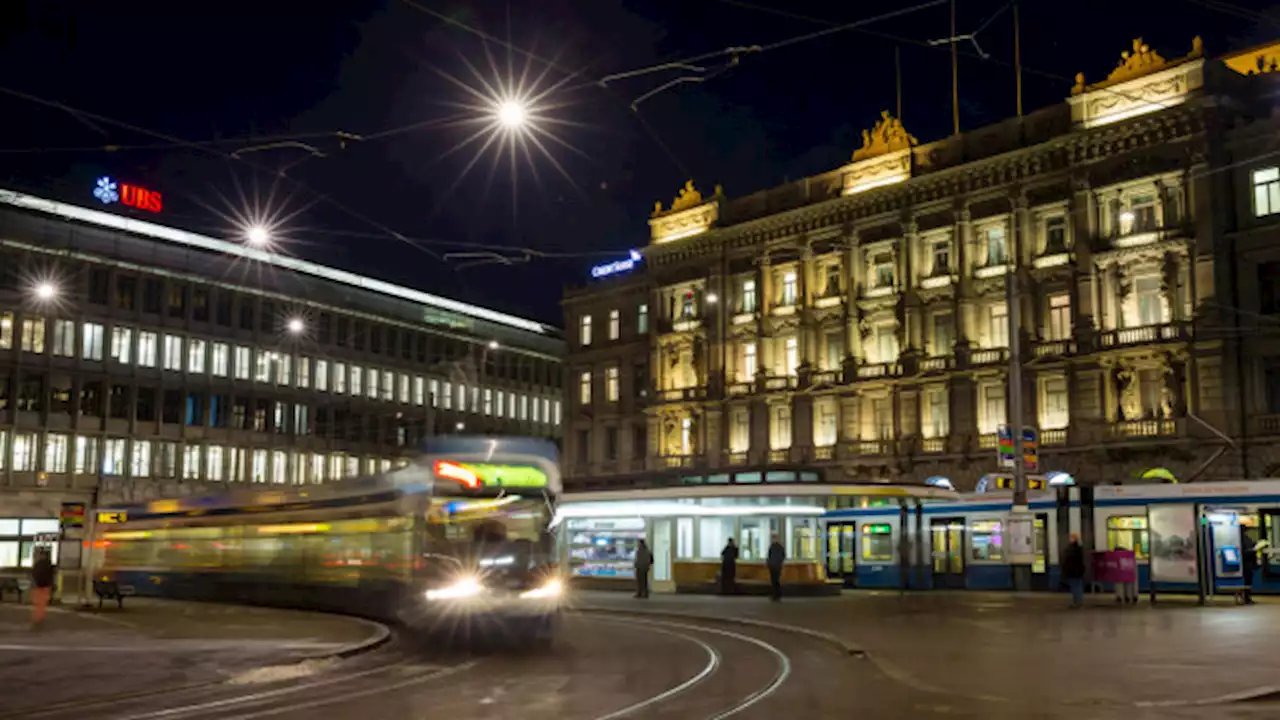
(512, 114)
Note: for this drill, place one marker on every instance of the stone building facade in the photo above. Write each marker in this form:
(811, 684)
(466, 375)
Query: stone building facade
(860, 320)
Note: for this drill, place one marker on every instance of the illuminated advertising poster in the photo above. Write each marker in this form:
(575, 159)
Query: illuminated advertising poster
(1173, 543)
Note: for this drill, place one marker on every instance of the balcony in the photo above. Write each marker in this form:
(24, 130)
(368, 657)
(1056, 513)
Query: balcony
(828, 301)
(866, 448)
(682, 394)
(824, 452)
(740, 389)
(880, 291)
(989, 356)
(738, 458)
(1144, 429)
(991, 271)
(781, 382)
(937, 281)
(1055, 436)
(826, 377)
(1049, 260)
(871, 371)
(933, 364)
(987, 441)
(686, 324)
(677, 461)
(1054, 348)
(779, 456)
(1266, 424)
(1143, 335)
(934, 445)
(784, 310)
(744, 318)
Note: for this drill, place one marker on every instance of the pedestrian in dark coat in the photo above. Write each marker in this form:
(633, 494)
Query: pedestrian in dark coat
(1248, 566)
(644, 561)
(777, 556)
(1073, 570)
(42, 577)
(729, 568)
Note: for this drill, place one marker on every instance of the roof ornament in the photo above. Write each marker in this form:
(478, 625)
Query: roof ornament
(688, 197)
(887, 136)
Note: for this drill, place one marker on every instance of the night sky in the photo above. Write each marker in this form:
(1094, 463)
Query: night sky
(235, 69)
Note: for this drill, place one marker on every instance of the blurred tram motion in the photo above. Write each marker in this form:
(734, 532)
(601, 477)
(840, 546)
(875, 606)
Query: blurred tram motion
(458, 538)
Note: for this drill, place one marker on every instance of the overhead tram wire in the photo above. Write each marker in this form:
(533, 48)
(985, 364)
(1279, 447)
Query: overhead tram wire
(323, 197)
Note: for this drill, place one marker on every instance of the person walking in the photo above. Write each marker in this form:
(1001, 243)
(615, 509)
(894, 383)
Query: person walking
(1073, 570)
(777, 556)
(41, 586)
(728, 568)
(1248, 566)
(644, 561)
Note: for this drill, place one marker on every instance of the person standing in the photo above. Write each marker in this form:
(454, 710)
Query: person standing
(1073, 570)
(729, 568)
(41, 586)
(777, 556)
(644, 561)
(1248, 566)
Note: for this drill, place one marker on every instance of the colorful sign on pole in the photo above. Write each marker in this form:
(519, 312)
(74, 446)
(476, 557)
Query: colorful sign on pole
(1030, 450)
(72, 515)
(1004, 447)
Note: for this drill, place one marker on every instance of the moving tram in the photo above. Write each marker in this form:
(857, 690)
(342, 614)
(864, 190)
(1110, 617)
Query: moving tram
(459, 537)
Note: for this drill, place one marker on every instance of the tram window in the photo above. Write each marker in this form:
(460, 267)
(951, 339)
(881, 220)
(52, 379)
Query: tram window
(8, 554)
(804, 538)
(986, 540)
(877, 543)
(1269, 560)
(1129, 532)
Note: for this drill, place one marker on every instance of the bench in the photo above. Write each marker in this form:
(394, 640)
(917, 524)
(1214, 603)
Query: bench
(108, 590)
(11, 585)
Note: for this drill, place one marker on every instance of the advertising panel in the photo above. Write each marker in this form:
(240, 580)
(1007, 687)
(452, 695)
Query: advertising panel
(1174, 555)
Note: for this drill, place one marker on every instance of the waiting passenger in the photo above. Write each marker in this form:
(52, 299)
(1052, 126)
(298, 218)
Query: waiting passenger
(41, 586)
(1248, 566)
(1073, 570)
(644, 561)
(729, 568)
(777, 556)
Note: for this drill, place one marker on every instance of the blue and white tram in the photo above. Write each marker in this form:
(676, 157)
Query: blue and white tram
(961, 543)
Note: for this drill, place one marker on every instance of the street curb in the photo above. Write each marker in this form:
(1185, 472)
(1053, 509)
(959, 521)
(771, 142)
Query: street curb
(381, 636)
(841, 644)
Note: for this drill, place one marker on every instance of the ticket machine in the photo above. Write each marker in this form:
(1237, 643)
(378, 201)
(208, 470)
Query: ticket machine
(1225, 542)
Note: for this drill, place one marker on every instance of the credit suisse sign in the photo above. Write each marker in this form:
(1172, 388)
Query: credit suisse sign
(617, 266)
(109, 191)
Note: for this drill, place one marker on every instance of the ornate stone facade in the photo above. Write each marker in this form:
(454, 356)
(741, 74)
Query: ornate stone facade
(867, 331)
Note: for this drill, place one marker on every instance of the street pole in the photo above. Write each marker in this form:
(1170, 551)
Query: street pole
(1020, 519)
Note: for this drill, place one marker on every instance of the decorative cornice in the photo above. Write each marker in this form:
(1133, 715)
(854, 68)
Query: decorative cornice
(888, 135)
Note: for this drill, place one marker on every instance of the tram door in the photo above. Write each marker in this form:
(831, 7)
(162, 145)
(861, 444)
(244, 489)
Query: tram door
(1040, 546)
(948, 552)
(840, 549)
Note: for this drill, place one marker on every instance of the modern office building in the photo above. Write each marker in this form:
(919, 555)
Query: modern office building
(141, 361)
(858, 322)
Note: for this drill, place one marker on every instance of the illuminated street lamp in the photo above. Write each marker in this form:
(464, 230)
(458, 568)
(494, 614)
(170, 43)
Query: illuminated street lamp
(295, 326)
(258, 236)
(493, 345)
(45, 291)
(512, 114)
(712, 298)
(460, 426)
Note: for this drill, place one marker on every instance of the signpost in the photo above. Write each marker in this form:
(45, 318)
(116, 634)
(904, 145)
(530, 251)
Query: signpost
(1030, 450)
(1005, 453)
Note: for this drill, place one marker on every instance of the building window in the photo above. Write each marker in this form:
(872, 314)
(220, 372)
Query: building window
(64, 338)
(789, 289)
(686, 436)
(992, 409)
(372, 385)
(33, 335)
(584, 330)
(555, 412)
(304, 372)
(882, 270)
(1150, 303)
(1059, 316)
(191, 462)
(1266, 191)
(1140, 215)
(833, 281)
(997, 253)
(791, 357)
(388, 387)
(195, 356)
(173, 353)
(611, 384)
(322, 375)
(882, 418)
(339, 378)
(1055, 235)
(243, 364)
(615, 324)
(740, 431)
(938, 422)
(835, 350)
(825, 429)
(55, 453)
(213, 456)
(403, 395)
(121, 344)
(749, 366)
(998, 326)
(584, 389)
(1053, 406)
(420, 391)
(488, 402)
(446, 395)
(886, 343)
(262, 366)
(91, 341)
(113, 456)
(86, 460)
(642, 319)
(780, 428)
(236, 458)
(748, 296)
(941, 258)
(6, 330)
(433, 388)
(944, 334)
(258, 466)
(147, 343)
(140, 461)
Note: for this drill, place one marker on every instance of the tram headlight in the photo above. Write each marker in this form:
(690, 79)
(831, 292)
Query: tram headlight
(462, 588)
(549, 589)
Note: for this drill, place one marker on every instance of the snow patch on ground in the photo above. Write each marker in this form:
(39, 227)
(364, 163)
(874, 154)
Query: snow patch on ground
(278, 673)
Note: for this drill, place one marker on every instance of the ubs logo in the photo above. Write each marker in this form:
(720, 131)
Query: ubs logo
(108, 191)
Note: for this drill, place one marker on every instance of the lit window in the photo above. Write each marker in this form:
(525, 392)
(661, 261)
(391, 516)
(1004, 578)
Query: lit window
(997, 253)
(278, 467)
(55, 453)
(546, 410)
(388, 385)
(304, 372)
(24, 452)
(998, 328)
(992, 410)
(555, 412)
(357, 380)
(113, 456)
(213, 457)
(93, 336)
(642, 319)
(236, 458)
(86, 462)
(195, 356)
(748, 362)
(882, 270)
(262, 366)
(938, 422)
(33, 335)
(1059, 316)
(488, 401)
(173, 353)
(243, 369)
(1054, 412)
(792, 356)
(372, 386)
(524, 401)
(1150, 301)
(317, 468)
(462, 398)
(6, 331)
(221, 360)
(121, 345)
(748, 296)
(258, 466)
(191, 462)
(499, 404)
(584, 330)
(789, 290)
(1140, 215)
(419, 390)
(615, 324)
(511, 406)
(339, 378)
(433, 389)
(446, 395)
(322, 375)
(403, 395)
(284, 368)
(584, 389)
(986, 541)
(64, 338)
(610, 384)
(140, 462)
(1266, 192)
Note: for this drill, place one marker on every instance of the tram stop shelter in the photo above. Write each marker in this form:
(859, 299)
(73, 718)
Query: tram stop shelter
(687, 524)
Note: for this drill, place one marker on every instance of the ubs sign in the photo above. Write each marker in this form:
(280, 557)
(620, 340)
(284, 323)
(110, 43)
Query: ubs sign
(108, 191)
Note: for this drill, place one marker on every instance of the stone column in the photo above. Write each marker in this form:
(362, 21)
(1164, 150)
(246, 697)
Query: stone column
(804, 332)
(962, 298)
(801, 427)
